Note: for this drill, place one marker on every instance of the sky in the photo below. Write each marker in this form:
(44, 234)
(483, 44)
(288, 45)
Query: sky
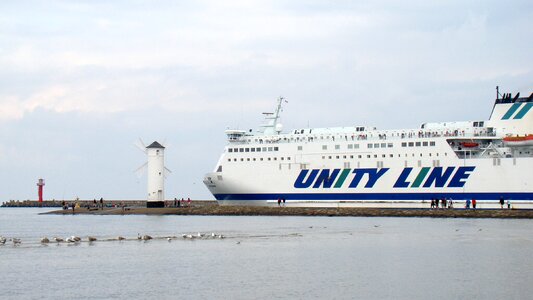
(82, 81)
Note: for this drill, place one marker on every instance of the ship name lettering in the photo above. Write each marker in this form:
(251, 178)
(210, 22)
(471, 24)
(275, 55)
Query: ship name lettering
(426, 177)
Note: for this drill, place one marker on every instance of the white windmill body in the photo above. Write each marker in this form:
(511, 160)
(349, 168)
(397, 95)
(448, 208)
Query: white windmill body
(155, 167)
(156, 174)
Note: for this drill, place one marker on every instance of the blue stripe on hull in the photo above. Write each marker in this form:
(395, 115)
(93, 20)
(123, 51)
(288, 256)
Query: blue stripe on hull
(374, 196)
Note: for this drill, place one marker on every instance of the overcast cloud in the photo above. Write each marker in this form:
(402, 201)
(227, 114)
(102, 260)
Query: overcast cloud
(80, 82)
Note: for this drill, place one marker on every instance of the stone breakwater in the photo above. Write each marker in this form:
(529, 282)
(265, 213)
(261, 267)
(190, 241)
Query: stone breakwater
(216, 210)
(59, 203)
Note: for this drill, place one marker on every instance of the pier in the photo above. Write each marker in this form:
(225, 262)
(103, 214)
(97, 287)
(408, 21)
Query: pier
(211, 208)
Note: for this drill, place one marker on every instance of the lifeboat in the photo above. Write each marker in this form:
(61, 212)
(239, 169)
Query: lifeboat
(518, 141)
(469, 144)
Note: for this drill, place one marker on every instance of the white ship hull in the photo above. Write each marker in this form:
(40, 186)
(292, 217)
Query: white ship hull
(393, 168)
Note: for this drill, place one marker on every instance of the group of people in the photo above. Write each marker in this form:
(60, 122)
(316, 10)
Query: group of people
(66, 205)
(444, 203)
(75, 204)
(502, 203)
(99, 204)
(182, 202)
(469, 203)
(281, 201)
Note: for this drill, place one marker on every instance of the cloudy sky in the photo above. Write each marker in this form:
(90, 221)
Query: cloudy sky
(81, 81)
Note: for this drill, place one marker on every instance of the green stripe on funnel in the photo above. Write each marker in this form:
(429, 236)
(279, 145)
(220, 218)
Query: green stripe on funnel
(511, 111)
(523, 111)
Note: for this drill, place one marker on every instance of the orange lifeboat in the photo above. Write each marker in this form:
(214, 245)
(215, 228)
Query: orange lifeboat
(519, 141)
(470, 144)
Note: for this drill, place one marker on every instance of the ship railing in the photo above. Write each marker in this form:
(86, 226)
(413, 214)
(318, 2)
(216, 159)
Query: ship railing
(369, 136)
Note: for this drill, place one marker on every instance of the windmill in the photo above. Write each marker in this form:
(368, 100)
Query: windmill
(156, 172)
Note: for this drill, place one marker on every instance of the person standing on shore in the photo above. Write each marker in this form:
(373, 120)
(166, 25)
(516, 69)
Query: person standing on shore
(450, 203)
(279, 202)
(474, 203)
(283, 201)
(508, 204)
(189, 202)
(102, 203)
(501, 202)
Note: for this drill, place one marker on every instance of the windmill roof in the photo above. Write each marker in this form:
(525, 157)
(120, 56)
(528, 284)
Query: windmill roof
(155, 145)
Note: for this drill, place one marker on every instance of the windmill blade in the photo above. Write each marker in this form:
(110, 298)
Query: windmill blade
(167, 170)
(140, 170)
(140, 145)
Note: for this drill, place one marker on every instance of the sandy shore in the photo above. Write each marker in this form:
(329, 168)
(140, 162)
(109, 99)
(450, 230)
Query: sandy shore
(215, 210)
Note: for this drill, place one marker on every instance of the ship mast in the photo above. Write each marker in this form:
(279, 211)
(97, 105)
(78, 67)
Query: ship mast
(269, 128)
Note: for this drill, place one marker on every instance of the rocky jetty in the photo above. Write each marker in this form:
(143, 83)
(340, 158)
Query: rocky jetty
(212, 209)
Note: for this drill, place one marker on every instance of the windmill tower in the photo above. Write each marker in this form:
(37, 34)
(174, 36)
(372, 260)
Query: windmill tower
(156, 169)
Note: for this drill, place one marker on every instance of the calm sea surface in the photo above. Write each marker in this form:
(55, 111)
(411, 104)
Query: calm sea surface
(266, 258)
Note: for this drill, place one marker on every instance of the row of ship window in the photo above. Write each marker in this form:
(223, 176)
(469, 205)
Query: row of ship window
(375, 155)
(337, 147)
(418, 144)
(331, 157)
(256, 149)
(260, 159)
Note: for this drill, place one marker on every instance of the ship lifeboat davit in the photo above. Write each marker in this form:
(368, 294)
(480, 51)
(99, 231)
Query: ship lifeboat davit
(470, 144)
(518, 141)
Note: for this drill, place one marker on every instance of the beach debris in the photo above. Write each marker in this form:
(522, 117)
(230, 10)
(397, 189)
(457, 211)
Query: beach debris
(200, 235)
(16, 241)
(169, 239)
(58, 239)
(146, 237)
(45, 240)
(238, 243)
(2, 240)
(120, 238)
(139, 237)
(91, 238)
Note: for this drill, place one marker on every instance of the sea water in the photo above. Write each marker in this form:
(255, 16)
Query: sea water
(265, 257)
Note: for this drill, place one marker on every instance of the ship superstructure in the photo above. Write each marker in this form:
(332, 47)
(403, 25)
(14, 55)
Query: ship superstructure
(361, 165)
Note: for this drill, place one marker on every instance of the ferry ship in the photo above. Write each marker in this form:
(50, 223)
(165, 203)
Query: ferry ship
(486, 160)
